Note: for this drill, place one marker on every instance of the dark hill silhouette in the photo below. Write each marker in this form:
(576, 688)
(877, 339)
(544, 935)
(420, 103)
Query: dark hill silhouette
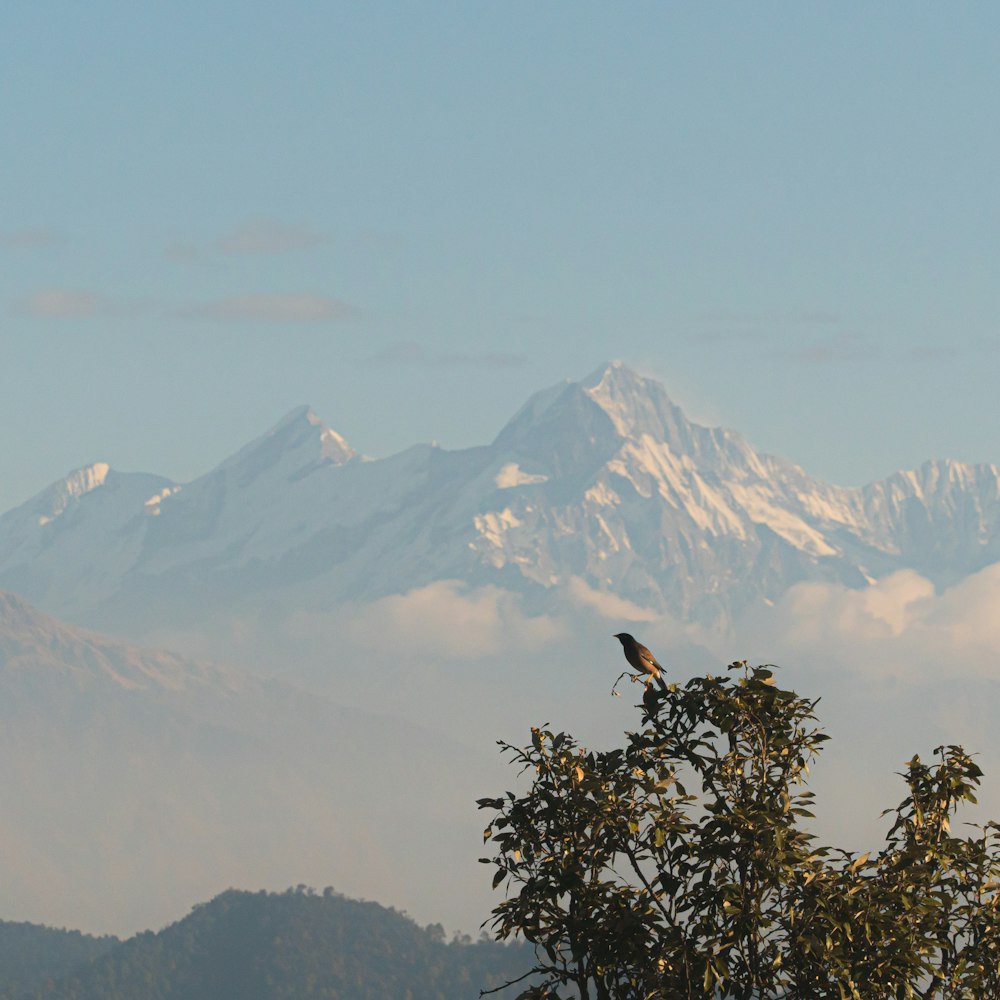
(32, 956)
(295, 945)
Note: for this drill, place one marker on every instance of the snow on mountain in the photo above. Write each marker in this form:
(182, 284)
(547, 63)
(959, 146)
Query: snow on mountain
(59, 496)
(605, 480)
(943, 519)
(77, 538)
(132, 526)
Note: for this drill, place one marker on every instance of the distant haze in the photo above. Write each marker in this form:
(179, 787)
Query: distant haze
(383, 622)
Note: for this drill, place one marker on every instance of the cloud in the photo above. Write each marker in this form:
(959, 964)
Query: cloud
(607, 605)
(256, 238)
(184, 252)
(269, 236)
(727, 336)
(932, 353)
(836, 349)
(816, 317)
(949, 351)
(21, 239)
(843, 348)
(899, 627)
(270, 309)
(412, 354)
(374, 240)
(900, 668)
(63, 303)
(449, 619)
(986, 345)
(806, 338)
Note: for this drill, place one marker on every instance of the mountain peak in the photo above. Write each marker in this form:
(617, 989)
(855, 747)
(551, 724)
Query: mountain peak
(614, 403)
(615, 369)
(301, 413)
(299, 438)
(635, 405)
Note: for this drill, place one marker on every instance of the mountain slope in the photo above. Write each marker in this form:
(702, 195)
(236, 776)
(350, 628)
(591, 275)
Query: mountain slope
(134, 780)
(605, 481)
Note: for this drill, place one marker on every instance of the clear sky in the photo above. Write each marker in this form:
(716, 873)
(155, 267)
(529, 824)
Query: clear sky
(412, 215)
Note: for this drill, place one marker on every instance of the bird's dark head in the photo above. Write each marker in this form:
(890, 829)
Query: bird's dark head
(623, 637)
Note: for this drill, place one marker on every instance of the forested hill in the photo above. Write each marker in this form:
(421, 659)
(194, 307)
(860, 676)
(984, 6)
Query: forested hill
(32, 956)
(291, 946)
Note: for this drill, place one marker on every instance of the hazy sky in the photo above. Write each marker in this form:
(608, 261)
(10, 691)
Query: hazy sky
(414, 215)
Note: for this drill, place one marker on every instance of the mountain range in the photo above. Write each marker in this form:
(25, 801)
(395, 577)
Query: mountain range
(602, 483)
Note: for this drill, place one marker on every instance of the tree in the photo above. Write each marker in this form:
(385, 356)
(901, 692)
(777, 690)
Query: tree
(678, 865)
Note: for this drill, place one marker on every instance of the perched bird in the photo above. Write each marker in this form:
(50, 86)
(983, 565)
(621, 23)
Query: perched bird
(638, 655)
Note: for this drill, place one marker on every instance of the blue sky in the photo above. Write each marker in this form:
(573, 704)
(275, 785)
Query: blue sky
(414, 215)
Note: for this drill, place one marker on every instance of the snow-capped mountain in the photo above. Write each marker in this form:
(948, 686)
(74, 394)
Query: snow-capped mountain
(603, 480)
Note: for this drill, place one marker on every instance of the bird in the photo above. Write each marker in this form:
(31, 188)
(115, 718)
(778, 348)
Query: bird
(639, 656)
